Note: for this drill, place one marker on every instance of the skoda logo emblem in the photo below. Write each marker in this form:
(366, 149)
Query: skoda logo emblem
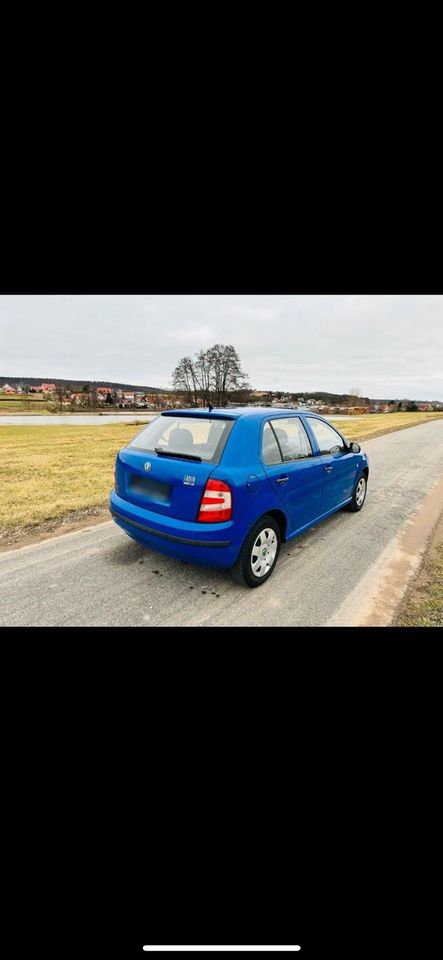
(147, 465)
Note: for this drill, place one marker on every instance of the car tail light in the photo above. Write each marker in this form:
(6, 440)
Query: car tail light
(216, 504)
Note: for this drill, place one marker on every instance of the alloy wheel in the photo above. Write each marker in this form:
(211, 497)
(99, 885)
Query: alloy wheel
(264, 552)
(360, 492)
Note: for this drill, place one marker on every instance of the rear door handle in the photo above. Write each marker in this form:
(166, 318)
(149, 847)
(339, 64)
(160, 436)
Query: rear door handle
(328, 469)
(282, 479)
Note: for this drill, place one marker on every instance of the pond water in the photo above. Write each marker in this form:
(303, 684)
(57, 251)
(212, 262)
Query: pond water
(92, 419)
(76, 419)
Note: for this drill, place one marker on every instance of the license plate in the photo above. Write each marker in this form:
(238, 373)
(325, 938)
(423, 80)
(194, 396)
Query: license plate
(151, 489)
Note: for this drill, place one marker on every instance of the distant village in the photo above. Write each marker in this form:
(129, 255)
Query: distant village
(90, 397)
(263, 398)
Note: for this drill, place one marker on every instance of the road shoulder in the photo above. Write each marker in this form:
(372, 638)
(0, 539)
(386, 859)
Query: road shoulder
(377, 597)
(16, 537)
(422, 605)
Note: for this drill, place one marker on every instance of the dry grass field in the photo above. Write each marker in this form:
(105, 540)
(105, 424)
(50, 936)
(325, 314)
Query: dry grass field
(53, 472)
(377, 424)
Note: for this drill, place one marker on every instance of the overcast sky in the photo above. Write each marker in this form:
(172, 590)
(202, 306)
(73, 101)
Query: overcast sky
(387, 346)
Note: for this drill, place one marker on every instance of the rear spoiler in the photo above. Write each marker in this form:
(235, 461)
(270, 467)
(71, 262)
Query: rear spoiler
(198, 412)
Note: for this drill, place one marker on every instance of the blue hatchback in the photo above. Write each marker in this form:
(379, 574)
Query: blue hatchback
(225, 487)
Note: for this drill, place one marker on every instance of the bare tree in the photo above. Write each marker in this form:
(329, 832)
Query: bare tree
(184, 379)
(213, 374)
(93, 397)
(203, 374)
(60, 394)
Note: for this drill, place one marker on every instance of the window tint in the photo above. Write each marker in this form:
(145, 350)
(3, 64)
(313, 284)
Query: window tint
(325, 435)
(270, 449)
(292, 438)
(201, 437)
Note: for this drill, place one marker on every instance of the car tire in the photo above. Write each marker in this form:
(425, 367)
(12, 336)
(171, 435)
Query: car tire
(359, 495)
(264, 536)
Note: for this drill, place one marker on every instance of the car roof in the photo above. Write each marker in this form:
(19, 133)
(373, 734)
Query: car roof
(234, 413)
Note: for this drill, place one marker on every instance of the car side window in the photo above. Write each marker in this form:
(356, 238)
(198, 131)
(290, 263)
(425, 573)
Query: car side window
(292, 438)
(326, 436)
(270, 449)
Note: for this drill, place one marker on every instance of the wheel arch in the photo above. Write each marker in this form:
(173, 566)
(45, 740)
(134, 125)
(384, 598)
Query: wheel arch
(279, 517)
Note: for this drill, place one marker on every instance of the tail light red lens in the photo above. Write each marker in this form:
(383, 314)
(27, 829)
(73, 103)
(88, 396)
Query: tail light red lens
(216, 504)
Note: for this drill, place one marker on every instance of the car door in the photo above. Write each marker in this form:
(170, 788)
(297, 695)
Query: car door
(295, 474)
(339, 463)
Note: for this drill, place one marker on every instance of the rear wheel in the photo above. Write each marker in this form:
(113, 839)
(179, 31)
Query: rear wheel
(258, 555)
(359, 495)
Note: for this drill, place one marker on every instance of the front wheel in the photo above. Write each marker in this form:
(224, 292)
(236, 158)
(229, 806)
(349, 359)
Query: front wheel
(359, 495)
(258, 555)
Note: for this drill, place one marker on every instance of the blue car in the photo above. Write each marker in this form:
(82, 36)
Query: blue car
(225, 487)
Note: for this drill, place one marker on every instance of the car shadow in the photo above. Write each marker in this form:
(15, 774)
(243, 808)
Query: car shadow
(129, 553)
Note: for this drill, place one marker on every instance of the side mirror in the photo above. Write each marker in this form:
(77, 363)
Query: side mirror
(355, 447)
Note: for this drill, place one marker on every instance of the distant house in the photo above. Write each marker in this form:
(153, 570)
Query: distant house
(79, 397)
(48, 388)
(8, 389)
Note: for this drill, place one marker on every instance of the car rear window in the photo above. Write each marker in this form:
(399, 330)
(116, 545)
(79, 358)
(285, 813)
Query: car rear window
(201, 438)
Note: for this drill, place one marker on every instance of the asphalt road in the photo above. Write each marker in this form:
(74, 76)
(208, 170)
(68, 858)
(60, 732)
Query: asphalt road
(98, 576)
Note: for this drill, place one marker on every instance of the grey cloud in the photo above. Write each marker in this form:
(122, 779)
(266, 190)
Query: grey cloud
(388, 345)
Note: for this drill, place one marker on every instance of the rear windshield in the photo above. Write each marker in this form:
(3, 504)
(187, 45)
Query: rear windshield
(199, 438)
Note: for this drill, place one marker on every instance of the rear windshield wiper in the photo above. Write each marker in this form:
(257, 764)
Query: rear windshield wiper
(181, 456)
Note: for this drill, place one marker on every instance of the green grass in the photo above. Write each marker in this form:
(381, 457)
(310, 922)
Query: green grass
(22, 405)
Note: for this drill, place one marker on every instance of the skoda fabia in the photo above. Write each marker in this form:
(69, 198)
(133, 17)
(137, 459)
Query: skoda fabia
(225, 487)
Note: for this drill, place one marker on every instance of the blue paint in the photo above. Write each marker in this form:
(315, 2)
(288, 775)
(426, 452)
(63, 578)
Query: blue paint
(161, 511)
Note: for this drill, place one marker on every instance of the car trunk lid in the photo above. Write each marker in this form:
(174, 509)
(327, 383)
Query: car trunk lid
(172, 486)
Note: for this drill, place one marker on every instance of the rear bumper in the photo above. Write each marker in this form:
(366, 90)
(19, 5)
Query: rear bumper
(208, 544)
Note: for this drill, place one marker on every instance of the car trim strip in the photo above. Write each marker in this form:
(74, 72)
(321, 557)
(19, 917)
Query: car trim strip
(169, 536)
